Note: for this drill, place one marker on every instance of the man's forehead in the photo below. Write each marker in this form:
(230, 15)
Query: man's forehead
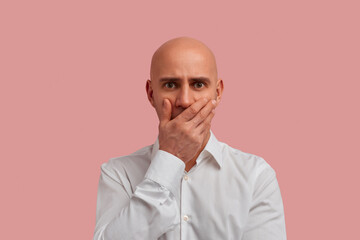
(166, 72)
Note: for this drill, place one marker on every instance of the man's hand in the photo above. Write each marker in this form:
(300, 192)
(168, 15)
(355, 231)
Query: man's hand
(184, 135)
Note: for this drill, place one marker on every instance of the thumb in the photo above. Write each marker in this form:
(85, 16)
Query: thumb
(165, 114)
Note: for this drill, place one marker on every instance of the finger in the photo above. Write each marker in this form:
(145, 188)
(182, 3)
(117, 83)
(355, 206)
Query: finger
(206, 124)
(165, 112)
(191, 111)
(203, 113)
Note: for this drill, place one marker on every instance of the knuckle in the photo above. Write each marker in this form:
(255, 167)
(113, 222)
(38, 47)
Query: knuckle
(193, 135)
(175, 125)
(187, 129)
(187, 125)
(179, 127)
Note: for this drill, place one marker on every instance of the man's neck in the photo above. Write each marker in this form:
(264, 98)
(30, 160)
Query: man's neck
(192, 162)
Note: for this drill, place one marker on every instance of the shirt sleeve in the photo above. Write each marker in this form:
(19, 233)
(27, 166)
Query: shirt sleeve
(149, 212)
(266, 216)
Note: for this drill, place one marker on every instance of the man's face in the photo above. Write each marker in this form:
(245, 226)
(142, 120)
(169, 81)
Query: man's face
(183, 76)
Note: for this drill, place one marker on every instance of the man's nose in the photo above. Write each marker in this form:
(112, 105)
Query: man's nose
(184, 98)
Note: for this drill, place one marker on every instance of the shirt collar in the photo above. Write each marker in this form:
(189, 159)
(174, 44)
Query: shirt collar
(212, 146)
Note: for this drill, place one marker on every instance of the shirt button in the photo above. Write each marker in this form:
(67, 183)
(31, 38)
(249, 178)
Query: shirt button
(186, 177)
(186, 218)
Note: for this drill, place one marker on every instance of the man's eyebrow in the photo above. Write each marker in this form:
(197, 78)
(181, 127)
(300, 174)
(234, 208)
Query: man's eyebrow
(204, 79)
(174, 79)
(169, 79)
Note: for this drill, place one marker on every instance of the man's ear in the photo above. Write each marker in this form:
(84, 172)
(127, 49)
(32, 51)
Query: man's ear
(219, 89)
(149, 92)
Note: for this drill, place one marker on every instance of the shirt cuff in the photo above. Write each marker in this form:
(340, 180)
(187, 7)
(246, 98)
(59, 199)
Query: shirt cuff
(167, 170)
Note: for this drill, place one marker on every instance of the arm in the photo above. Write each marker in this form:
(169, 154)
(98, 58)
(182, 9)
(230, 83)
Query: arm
(151, 210)
(266, 216)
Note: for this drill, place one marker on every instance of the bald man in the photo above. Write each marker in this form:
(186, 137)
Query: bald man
(187, 185)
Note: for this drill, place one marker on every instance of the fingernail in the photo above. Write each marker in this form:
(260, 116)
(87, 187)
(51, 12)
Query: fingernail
(213, 102)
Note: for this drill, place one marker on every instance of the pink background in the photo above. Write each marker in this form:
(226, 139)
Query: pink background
(72, 96)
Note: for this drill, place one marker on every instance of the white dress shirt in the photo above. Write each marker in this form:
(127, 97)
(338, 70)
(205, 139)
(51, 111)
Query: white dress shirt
(227, 194)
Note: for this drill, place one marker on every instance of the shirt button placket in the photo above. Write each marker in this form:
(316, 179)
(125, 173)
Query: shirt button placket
(184, 206)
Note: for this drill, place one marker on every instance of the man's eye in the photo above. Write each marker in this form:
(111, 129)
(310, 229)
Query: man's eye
(199, 85)
(169, 85)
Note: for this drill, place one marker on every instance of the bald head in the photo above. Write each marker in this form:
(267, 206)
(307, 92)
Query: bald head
(178, 51)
